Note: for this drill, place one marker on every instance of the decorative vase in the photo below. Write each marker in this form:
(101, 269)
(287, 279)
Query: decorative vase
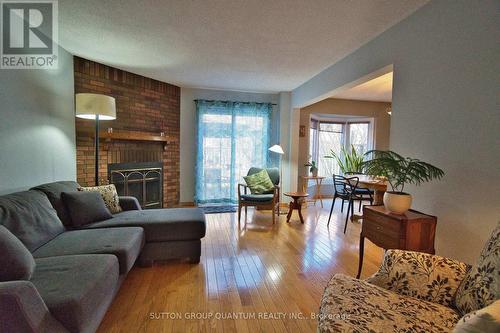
(396, 202)
(315, 173)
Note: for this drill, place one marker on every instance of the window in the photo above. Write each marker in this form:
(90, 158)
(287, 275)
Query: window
(326, 136)
(232, 137)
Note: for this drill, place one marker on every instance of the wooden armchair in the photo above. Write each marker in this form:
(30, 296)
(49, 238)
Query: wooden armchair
(269, 200)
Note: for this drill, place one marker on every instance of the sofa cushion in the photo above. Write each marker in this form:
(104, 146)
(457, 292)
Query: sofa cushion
(109, 195)
(30, 217)
(484, 320)
(85, 207)
(352, 305)
(16, 262)
(481, 285)
(425, 276)
(53, 191)
(77, 289)
(160, 224)
(124, 243)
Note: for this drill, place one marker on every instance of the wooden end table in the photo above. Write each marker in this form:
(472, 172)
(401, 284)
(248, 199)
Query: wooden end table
(412, 231)
(295, 204)
(319, 181)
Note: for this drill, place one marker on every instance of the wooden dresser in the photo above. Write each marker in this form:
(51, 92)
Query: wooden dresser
(412, 231)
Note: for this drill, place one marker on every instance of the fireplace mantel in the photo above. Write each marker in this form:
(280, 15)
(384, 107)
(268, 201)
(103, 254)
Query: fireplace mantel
(124, 135)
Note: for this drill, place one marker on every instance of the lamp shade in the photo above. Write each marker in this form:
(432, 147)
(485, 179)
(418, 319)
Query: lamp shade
(277, 149)
(88, 106)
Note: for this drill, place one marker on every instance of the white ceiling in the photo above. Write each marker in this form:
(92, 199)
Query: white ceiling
(249, 45)
(378, 89)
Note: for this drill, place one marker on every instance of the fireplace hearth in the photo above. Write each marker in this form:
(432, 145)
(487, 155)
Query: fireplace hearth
(143, 181)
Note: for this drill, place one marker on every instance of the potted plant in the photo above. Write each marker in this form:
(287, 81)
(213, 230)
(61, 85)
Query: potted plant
(348, 161)
(399, 171)
(313, 168)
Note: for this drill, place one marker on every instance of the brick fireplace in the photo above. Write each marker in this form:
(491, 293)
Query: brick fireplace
(146, 109)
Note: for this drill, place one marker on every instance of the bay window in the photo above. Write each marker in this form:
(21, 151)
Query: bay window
(331, 135)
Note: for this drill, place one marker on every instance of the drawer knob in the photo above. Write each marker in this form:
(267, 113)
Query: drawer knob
(378, 228)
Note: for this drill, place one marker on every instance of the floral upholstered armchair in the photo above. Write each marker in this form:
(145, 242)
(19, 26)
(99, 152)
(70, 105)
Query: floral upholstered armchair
(418, 292)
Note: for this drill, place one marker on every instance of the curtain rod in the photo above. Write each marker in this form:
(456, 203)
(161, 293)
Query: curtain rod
(212, 100)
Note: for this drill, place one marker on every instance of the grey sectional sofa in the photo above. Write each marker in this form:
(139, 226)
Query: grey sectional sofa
(57, 279)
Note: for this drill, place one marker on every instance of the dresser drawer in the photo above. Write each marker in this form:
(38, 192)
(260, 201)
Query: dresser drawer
(381, 224)
(383, 240)
(381, 231)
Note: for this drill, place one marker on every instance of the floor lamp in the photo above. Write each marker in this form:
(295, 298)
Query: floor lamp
(278, 150)
(97, 107)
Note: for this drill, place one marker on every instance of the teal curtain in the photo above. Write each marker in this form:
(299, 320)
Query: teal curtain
(231, 138)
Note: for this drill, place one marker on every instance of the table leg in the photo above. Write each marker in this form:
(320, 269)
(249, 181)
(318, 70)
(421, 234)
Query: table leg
(299, 209)
(361, 252)
(318, 191)
(378, 197)
(290, 210)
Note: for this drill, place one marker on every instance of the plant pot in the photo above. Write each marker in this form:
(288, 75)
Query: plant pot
(315, 173)
(397, 202)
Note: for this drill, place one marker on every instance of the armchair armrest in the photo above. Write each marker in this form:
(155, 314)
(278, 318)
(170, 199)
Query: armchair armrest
(23, 310)
(276, 193)
(242, 186)
(421, 275)
(129, 203)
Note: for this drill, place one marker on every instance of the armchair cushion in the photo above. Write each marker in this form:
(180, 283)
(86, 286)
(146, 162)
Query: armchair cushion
(352, 305)
(259, 182)
(258, 197)
(274, 173)
(481, 286)
(424, 276)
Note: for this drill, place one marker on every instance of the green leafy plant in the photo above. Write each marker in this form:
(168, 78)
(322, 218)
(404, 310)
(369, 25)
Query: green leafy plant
(400, 170)
(312, 166)
(348, 161)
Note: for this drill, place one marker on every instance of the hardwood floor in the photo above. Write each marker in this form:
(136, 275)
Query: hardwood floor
(263, 278)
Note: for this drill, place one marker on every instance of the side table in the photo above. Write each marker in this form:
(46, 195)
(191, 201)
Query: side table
(318, 181)
(295, 204)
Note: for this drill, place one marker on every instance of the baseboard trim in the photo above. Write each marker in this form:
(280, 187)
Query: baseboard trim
(187, 204)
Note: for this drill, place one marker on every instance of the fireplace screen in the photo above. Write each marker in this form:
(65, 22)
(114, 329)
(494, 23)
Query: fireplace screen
(141, 180)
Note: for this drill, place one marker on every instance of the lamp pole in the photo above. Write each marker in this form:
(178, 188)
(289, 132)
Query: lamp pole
(96, 107)
(96, 150)
(278, 150)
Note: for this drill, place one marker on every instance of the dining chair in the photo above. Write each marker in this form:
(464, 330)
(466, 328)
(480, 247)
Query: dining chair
(365, 192)
(345, 189)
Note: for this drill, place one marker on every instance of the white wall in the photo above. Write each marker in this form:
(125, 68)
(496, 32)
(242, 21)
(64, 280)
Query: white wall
(188, 129)
(444, 111)
(37, 126)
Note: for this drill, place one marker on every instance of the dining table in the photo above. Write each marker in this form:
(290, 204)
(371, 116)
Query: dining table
(375, 183)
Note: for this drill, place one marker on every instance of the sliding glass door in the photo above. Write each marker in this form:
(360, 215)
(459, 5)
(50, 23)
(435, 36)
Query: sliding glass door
(232, 137)
(327, 136)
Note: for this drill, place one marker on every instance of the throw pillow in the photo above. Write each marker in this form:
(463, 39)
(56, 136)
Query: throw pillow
(85, 207)
(109, 195)
(485, 320)
(259, 182)
(481, 285)
(16, 262)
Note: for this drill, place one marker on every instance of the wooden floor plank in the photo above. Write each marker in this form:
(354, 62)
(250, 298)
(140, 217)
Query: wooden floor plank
(251, 276)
